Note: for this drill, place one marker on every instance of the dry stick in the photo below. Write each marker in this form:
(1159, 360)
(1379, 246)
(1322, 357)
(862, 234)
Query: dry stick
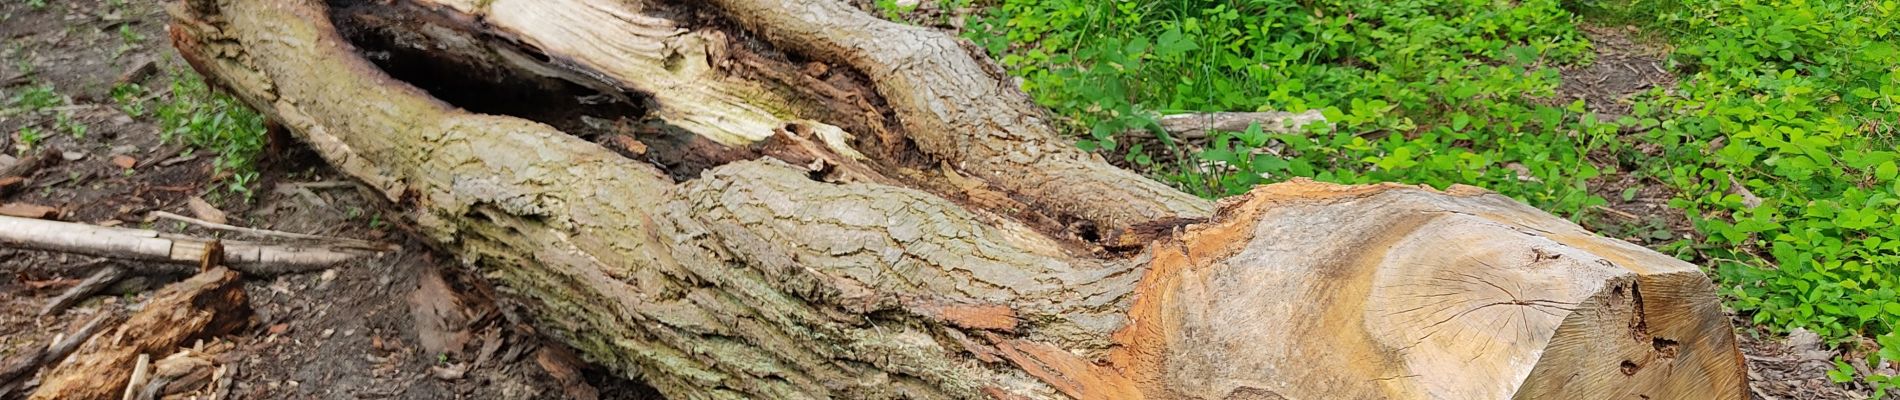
(347, 242)
(1198, 126)
(99, 281)
(147, 245)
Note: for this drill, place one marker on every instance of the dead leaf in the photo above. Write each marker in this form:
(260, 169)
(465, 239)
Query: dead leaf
(124, 161)
(25, 210)
(205, 211)
(440, 315)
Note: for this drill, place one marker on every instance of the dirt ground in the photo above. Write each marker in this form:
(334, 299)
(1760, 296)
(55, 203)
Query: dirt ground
(356, 331)
(411, 324)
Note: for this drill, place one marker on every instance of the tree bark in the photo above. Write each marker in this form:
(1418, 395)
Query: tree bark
(850, 208)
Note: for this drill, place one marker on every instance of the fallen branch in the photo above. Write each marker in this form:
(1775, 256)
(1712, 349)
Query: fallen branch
(99, 281)
(15, 373)
(336, 241)
(1199, 126)
(147, 245)
(209, 304)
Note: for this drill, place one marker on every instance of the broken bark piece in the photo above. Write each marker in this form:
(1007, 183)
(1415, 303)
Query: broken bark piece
(207, 305)
(27, 210)
(147, 245)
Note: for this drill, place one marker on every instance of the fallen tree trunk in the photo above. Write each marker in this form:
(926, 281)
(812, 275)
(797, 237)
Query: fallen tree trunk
(831, 206)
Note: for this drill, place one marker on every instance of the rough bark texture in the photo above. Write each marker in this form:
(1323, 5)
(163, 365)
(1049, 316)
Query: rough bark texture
(818, 271)
(209, 304)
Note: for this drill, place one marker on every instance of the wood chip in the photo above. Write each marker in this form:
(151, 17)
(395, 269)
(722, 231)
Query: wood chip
(25, 210)
(124, 161)
(630, 144)
(205, 211)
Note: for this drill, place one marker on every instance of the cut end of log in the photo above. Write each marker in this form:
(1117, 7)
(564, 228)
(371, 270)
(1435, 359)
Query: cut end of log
(1313, 290)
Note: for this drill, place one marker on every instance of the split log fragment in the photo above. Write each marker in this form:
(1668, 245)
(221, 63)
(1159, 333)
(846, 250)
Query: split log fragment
(207, 305)
(759, 278)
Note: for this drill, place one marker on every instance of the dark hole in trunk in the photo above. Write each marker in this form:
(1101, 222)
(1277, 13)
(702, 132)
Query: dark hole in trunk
(460, 62)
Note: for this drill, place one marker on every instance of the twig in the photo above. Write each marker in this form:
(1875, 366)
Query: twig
(99, 281)
(347, 242)
(1619, 213)
(322, 185)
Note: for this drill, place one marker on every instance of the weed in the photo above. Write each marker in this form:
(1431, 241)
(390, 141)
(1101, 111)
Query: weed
(63, 121)
(130, 98)
(30, 137)
(37, 98)
(213, 122)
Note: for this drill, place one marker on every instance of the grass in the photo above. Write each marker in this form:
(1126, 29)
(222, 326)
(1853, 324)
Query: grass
(208, 121)
(1779, 139)
(189, 113)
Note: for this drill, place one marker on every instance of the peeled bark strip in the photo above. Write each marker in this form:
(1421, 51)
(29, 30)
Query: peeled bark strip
(207, 305)
(763, 279)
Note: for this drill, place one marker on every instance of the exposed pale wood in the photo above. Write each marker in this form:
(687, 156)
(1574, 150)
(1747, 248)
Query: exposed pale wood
(759, 280)
(147, 245)
(209, 304)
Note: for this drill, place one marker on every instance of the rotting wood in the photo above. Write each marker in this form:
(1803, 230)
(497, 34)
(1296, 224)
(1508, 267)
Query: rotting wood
(206, 305)
(15, 373)
(756, 279)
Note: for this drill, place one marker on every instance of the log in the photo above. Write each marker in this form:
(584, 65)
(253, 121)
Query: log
(957, 249)
(204, 306)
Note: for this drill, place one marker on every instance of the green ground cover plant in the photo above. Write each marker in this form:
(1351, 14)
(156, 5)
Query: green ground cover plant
(1779, 141)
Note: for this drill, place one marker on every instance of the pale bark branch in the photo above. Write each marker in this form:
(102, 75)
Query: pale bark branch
(147, 245)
